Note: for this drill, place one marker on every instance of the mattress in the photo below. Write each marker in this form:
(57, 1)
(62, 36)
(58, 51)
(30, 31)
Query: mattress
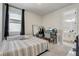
(27, 47)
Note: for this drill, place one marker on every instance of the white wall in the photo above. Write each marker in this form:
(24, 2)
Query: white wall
(31, 19)
(0, 21)
(78, 19)
(55, 19)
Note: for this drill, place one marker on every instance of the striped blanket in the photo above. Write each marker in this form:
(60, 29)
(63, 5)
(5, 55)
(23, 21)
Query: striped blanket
(28, 47)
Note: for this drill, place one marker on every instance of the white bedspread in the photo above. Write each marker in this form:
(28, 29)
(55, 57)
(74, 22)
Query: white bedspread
(28, 47)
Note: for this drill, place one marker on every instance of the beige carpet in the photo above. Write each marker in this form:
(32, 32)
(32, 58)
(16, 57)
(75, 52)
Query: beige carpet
(57, 50)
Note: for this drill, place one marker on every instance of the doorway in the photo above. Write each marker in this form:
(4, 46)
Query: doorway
(69, 27)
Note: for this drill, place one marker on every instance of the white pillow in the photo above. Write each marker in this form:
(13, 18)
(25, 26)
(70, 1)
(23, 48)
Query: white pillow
(23, 37)
(18, 37)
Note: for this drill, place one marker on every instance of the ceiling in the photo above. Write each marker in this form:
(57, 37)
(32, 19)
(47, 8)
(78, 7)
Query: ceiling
(41, 8)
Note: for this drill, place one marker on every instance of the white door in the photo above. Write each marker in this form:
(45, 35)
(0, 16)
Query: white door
(69, 26)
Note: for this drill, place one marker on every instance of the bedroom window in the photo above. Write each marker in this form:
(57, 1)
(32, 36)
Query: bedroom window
(14, 21)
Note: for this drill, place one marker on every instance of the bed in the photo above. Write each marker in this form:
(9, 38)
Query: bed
(28, 47)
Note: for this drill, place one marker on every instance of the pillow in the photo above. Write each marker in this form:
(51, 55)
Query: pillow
(18, 37)
(24, 37)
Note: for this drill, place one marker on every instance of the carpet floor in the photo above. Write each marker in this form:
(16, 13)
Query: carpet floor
(57, 50)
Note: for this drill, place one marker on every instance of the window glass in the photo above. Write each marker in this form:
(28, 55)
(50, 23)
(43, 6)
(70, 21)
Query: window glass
(14, 21)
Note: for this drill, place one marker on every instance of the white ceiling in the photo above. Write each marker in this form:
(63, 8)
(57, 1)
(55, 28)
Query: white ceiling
(41, 8)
